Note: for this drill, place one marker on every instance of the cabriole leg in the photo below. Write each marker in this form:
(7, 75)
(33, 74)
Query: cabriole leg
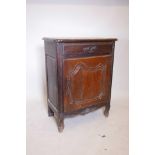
(50, 112)
(107, 108)
(60, 122)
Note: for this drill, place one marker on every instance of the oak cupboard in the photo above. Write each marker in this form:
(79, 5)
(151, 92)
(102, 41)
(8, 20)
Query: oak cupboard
(79, 76)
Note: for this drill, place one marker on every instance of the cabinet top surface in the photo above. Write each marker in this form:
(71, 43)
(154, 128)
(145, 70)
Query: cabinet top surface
(71, 40)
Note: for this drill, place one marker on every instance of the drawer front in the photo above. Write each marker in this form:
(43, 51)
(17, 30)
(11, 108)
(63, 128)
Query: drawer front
(87, 82)
(87, 49)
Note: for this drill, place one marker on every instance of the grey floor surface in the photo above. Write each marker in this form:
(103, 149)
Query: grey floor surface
(91, 134)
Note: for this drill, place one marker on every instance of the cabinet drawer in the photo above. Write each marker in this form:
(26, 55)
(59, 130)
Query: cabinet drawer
(87, 49)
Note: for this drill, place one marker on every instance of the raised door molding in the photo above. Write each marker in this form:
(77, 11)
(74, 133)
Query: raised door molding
(79, 82)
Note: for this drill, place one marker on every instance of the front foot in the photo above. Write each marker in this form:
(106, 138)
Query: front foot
(106, 111)
(50, 112)
(59, 121)
(61, 126)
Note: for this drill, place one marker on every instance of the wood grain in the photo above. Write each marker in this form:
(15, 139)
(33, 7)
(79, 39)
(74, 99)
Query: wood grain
(79, 76)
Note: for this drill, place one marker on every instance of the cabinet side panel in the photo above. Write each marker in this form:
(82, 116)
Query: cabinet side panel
(50, 48)
(52, 80)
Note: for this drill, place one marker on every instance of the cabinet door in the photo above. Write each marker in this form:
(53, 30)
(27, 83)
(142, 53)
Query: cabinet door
(87, 81)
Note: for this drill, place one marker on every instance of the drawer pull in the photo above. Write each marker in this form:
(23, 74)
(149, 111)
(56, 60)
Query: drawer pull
(89, 49)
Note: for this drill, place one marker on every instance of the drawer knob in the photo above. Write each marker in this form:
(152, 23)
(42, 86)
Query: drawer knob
(90, 49)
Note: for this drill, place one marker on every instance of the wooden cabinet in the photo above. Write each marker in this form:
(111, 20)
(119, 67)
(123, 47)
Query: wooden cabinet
(79, 76)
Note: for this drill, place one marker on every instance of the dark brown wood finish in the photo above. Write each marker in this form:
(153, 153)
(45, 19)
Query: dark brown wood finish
(86, 81)
(79, 76)
(86, 49)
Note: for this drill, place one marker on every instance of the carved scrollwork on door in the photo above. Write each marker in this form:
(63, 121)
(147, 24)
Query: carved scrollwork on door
(85, 83)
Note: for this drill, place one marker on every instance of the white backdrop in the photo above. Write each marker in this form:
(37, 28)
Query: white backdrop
(72, 20)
